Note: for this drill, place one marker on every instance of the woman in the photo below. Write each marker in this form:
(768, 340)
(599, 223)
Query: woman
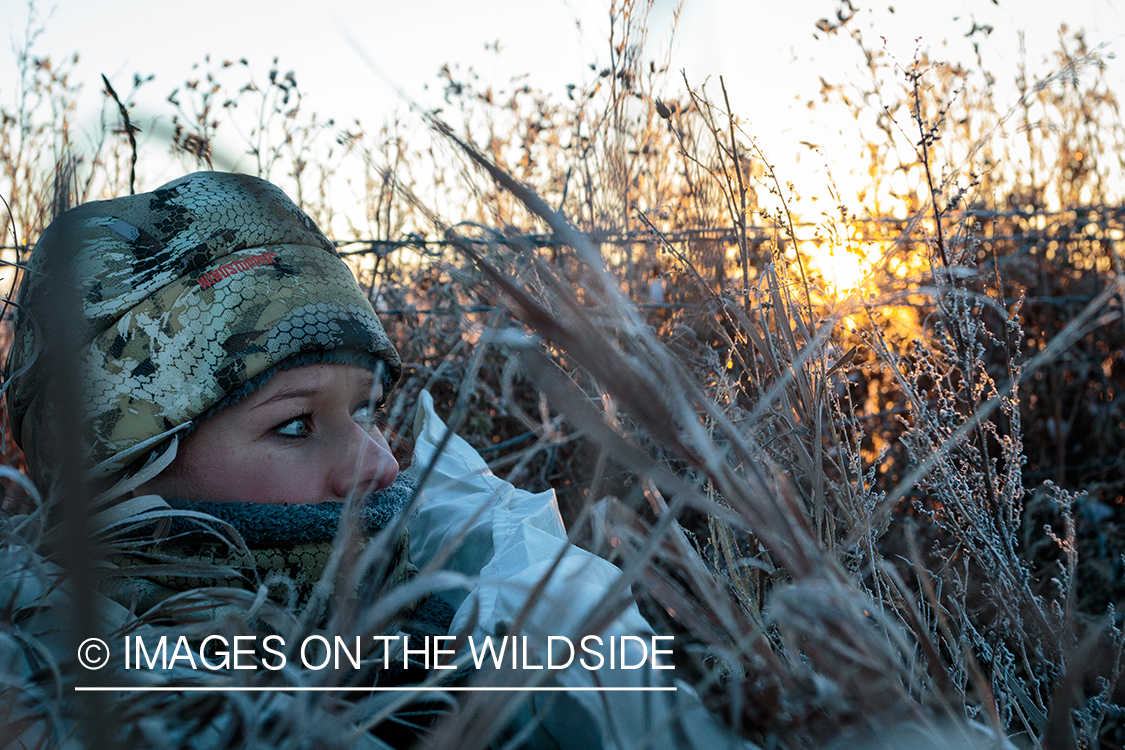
(232, 366)
(207, 300)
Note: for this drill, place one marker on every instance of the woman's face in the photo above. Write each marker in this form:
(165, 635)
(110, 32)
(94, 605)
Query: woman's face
(307, 436)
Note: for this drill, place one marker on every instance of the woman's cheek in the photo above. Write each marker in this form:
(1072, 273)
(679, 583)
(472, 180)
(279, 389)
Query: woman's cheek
(255, 474)
(289, 477)
(241, 477)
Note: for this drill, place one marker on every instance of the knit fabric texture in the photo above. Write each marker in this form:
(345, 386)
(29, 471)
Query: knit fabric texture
(278, 524)
(287, 549)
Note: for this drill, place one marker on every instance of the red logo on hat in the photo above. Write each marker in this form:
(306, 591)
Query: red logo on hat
(211, 278)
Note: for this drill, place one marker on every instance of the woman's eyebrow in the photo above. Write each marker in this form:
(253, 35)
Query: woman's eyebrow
(287, 396)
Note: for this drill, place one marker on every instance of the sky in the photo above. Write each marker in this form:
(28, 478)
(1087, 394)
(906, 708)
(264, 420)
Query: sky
(766, 51)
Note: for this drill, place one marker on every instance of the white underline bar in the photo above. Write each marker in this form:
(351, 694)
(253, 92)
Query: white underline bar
(404, 689)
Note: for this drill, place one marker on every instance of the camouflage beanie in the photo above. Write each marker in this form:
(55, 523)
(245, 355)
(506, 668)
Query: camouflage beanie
(187, 293)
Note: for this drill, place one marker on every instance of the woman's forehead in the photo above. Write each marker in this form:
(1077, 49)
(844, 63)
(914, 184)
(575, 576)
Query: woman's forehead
(317, 379)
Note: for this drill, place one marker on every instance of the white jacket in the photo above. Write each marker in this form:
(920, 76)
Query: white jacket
(509, 541)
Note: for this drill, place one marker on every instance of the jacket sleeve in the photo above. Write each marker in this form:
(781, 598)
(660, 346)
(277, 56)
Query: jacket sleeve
(514, 544)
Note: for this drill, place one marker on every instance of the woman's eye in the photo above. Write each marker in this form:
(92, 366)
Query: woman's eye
(297, 427)
(364, 415)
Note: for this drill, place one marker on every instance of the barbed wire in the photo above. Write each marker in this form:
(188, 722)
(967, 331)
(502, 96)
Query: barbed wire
(756, 233)
(1081, 217)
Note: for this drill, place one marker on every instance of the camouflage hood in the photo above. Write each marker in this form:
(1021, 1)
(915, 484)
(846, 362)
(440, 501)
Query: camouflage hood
(186, 293)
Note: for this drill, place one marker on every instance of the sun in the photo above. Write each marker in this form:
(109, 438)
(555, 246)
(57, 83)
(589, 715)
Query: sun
(843, 269)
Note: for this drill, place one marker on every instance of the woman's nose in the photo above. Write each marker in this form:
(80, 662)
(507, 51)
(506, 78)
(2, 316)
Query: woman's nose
(368, 465)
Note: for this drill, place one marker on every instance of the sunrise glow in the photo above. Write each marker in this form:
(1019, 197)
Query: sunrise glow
(843, 269)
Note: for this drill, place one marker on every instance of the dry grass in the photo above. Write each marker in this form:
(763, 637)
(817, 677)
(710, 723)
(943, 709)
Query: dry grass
(852, 513)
